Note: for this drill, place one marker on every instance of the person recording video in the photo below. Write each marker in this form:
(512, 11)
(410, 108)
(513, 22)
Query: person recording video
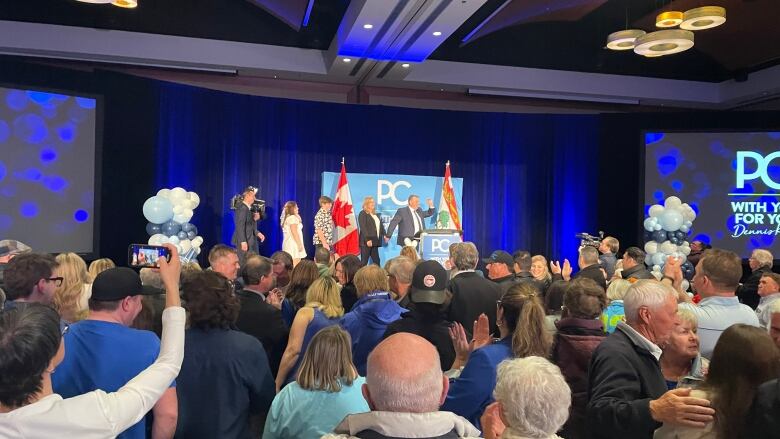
(245, 234)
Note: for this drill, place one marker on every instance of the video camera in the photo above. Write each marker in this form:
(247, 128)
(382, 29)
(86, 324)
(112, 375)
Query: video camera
(586, 239)
(257, 206)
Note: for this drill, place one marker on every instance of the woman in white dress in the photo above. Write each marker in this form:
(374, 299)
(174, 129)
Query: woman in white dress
(292, 229)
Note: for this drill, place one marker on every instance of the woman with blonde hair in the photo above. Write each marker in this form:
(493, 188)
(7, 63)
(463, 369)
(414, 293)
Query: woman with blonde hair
(411, 253)
(72, 296)
(292, 231)
(614, 313)
(328, 388)
(100, 265)
(540, 270)
(322, 309)
(371, 232)
(520, 320)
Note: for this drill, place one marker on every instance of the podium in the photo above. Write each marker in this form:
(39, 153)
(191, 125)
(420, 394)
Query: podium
(435, 243)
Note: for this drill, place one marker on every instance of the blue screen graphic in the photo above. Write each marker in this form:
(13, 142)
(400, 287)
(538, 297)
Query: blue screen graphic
(47, 170)
(731, 180)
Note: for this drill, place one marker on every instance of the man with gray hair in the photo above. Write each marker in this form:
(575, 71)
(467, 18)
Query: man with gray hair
(627, 392)
(760, 263)
(404, 389)
(399, 272)
(472, 294)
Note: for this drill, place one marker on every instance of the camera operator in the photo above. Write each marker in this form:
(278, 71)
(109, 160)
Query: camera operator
(245, 234)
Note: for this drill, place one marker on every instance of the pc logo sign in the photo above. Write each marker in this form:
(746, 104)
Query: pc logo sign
(762, 163)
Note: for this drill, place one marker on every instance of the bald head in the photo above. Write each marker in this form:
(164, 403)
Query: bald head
(404, 375)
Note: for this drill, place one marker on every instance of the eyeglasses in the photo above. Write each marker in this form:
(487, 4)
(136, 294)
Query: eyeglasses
(57, 280)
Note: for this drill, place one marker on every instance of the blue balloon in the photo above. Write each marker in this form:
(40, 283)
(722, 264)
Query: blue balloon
(649, 224)
(671, 220)
(182, 235)
(171, 228)
(659, 236)
(680, 235)
(186, 227)
(153, 229)
(158, 210)
(648, 236)
(191, 234)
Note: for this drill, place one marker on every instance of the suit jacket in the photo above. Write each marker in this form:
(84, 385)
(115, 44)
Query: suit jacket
(405, 222)
(592, 272)
(622, 379)
(368, 231)
(264, 322)
(748, 291)
(473, 295)
(245, 227)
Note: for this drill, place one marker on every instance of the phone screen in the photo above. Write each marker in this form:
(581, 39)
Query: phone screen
(142, 255)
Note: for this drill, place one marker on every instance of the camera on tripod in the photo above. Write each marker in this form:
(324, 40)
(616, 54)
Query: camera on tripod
(586, 239)
(257, 205)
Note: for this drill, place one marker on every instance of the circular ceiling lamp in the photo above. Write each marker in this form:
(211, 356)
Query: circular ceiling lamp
(669, 19)
(702, 18)
(664, 42)
(624, 39)
(129, 4)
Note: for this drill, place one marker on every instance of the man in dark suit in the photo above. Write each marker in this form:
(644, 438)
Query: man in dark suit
(258, 317)
(590, 267)
(472, 294)
(409, 220)
(245, 234)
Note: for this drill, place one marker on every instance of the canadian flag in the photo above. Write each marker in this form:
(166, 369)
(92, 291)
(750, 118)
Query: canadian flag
(346, 239)
(448, 217)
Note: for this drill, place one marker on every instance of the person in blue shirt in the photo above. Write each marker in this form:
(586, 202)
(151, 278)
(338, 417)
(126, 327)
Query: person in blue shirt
(328, 388)
(103, 352)
(614, 312)
(225, 377)
(520, 320)
(374, 310)
(322, 309)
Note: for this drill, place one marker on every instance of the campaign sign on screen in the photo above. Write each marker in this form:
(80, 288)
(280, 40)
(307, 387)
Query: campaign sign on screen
(390, 192)
(731, 180)
(436, 247)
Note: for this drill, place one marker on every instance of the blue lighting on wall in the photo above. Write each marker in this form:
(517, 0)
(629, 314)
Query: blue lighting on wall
(3, 171)
(677, 185)
(67, 132)
(31, 128)
(31, 174)
(16, 100)
(80, 216)
(307, 16)
(48, 155)
(86, 103)
(653, 137)
(5, 131)
(5, 222)
(55, 183)
(28, 209)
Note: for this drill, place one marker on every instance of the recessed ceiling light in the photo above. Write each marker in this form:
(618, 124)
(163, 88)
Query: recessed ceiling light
(405, 65)
(368, 26)
(437, 34)
(347, 59)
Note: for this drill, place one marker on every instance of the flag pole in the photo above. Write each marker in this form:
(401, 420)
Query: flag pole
(342, 160)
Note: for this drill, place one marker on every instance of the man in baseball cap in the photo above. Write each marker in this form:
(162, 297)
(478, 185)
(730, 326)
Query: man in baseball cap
(104, 352)
(500, 266)
(428, 295)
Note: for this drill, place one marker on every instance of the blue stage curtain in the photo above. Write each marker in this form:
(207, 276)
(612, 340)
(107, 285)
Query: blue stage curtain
(530, 180)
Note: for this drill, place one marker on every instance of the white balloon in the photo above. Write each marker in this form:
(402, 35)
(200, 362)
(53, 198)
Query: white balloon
(178, 248)
(178, 208)
(657, 227)
(195, 198)
(197, 250)
(173, 239)
(651, 247)
(165, 193)
(667, 248)
(197, 241)
(156, 239)
(186, 245)
(177, 194)
(190, 204)
(685, 250)
(672, 203)
(164, 240)
(685, 284)
(656, 268)
(656, 210)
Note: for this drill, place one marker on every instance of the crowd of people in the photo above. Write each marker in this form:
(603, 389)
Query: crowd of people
(506, 346)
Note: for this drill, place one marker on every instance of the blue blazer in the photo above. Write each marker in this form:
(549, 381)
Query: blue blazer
(472, 391)
(403, 219)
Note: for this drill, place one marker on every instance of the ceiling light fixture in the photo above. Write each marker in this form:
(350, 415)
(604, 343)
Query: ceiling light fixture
(128, 4)
(368, 26)
(624, 39)
(347, 60)
(437, 34)
(405, 65)
(702, 18)
(664, 42)
(669, 19)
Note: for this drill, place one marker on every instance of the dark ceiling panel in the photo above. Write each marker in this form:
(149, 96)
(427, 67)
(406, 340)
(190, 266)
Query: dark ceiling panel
(291, 12)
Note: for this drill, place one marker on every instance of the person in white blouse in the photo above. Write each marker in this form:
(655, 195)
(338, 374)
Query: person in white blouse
(371, 231)
(29, 408)
(292, 230)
